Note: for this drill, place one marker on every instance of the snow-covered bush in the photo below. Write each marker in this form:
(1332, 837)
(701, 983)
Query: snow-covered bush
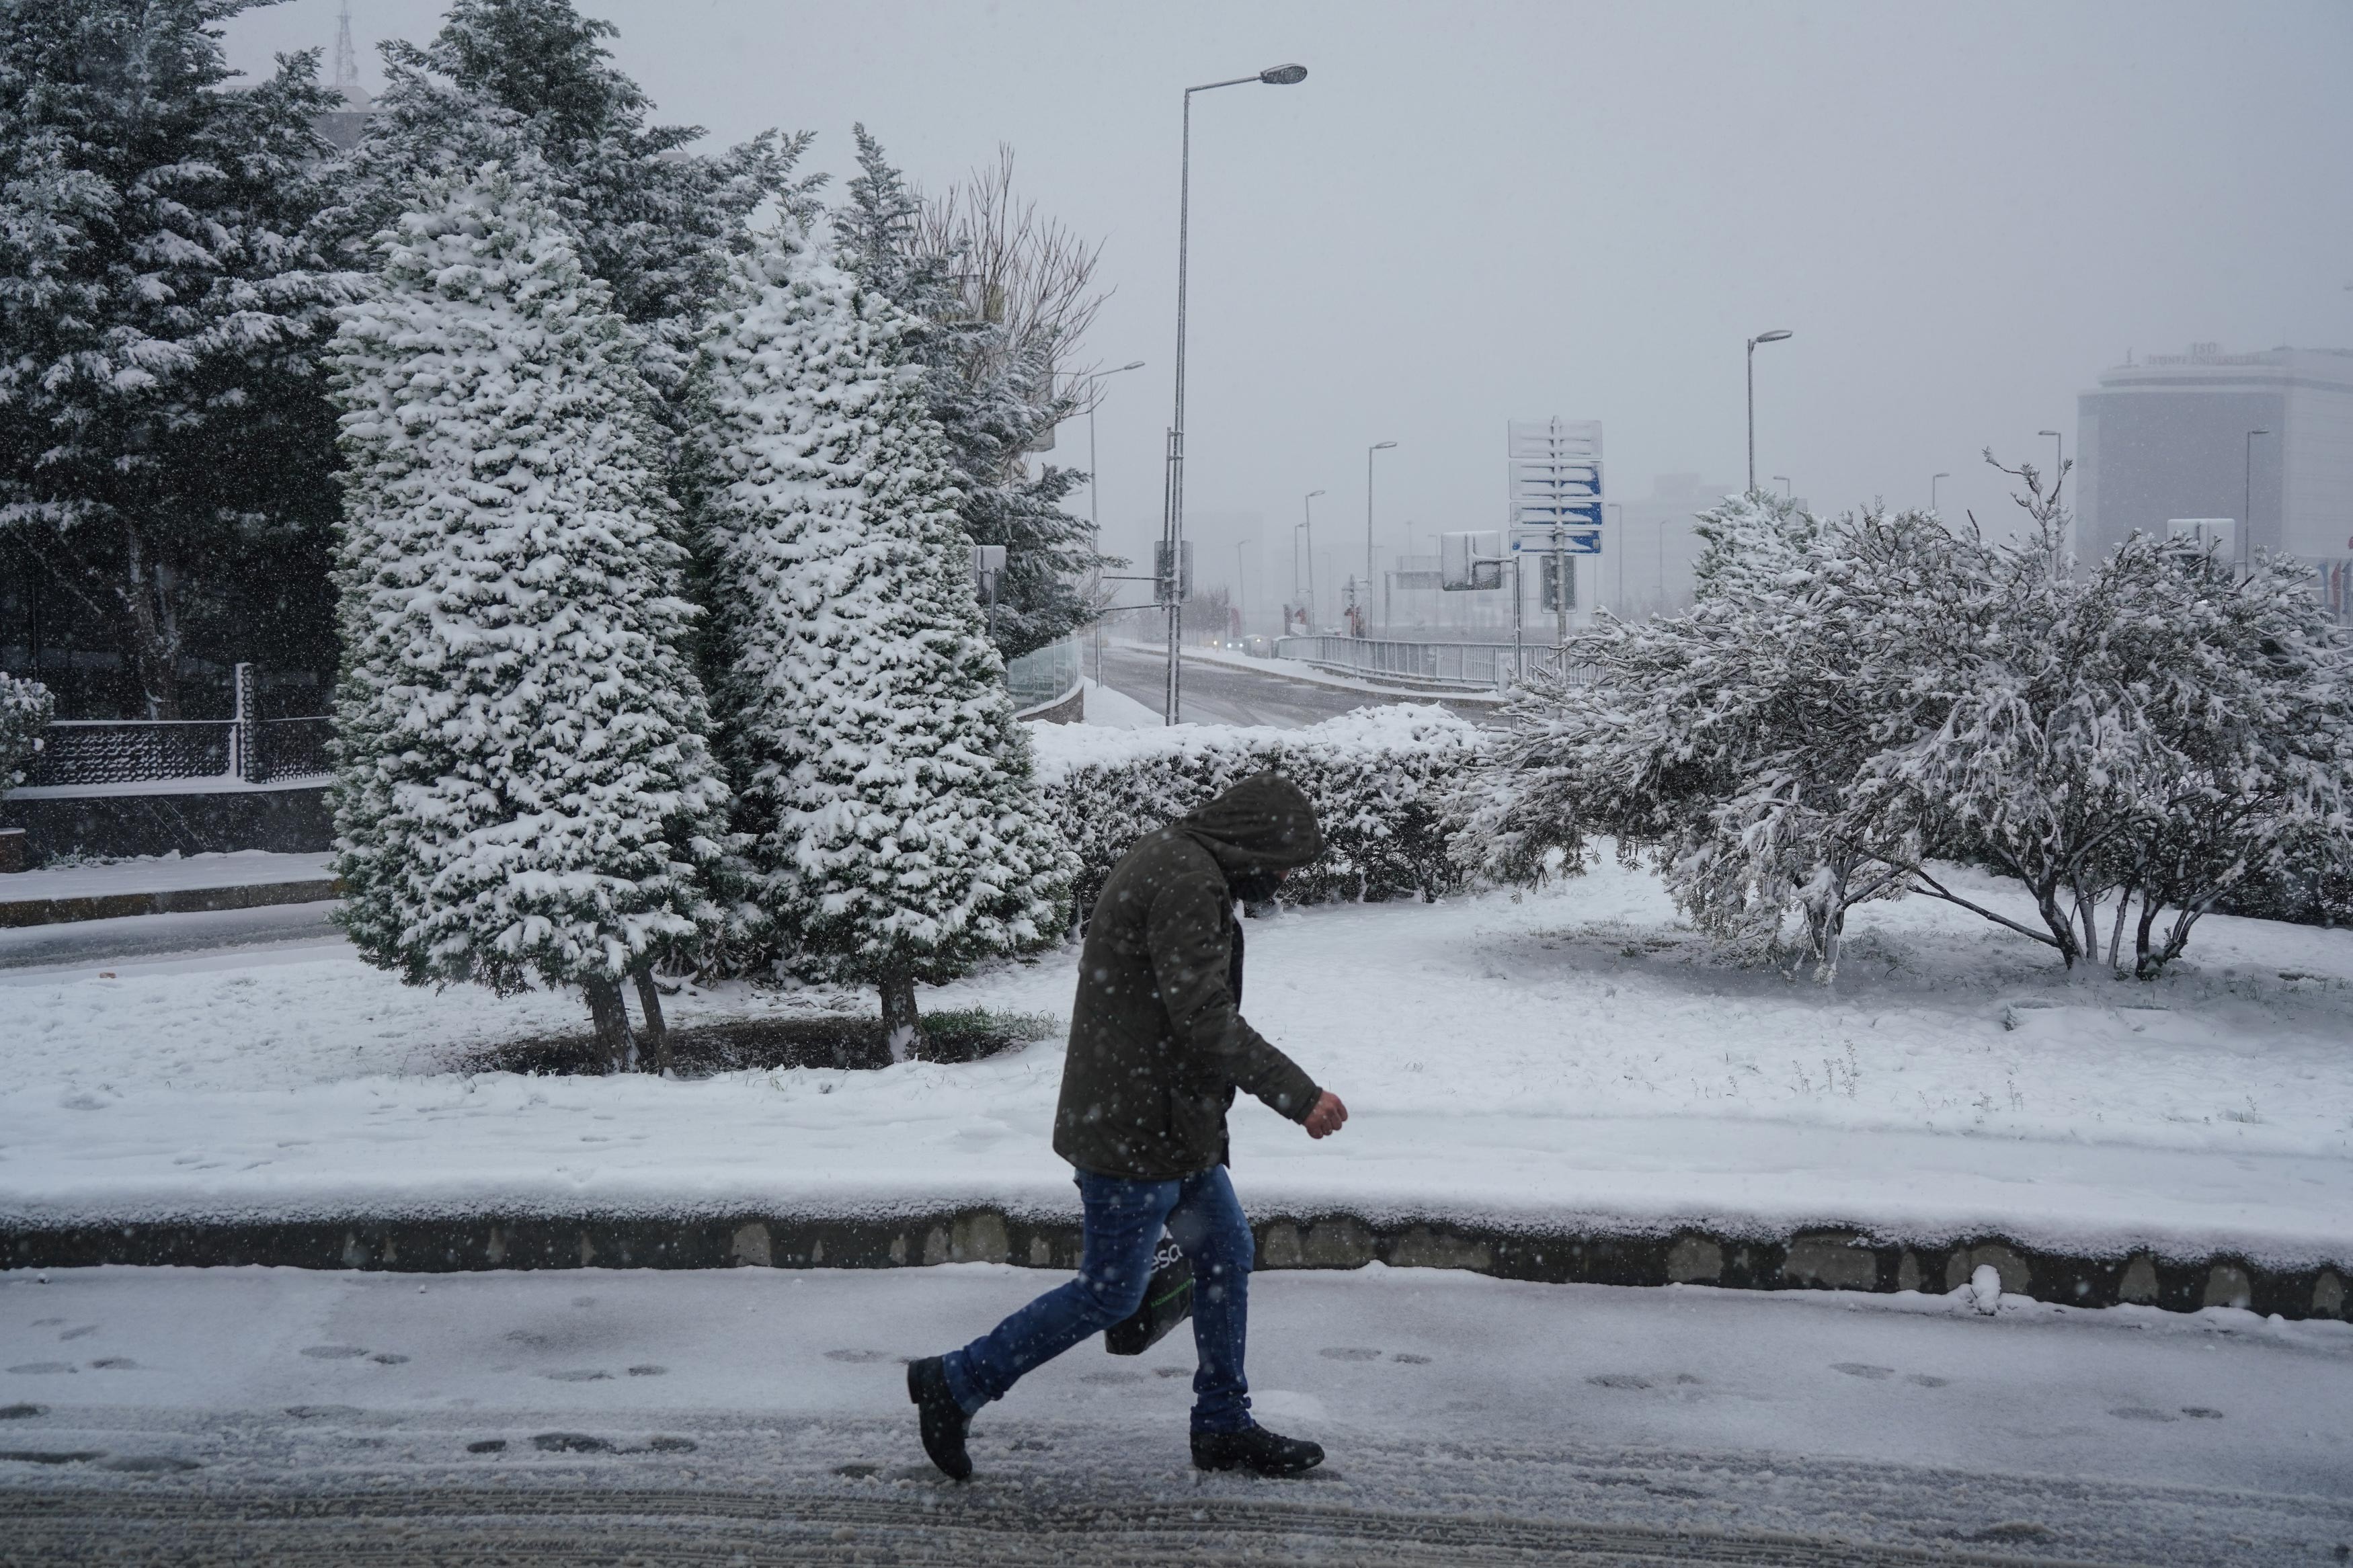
(885, 784)
(1380, 779)
(1849, 702)
(523, 790)
(25, 710)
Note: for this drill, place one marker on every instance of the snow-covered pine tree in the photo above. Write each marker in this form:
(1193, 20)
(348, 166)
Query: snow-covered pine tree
(524, 792)
(1000, 300)
(508, 80)
(25, 710)
(164, 424)
(887, 788)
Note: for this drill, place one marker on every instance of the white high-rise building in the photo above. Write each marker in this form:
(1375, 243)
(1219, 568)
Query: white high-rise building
(2170, 436)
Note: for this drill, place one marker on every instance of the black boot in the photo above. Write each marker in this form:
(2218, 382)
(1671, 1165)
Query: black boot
(944, 1420)
(1255, 1449)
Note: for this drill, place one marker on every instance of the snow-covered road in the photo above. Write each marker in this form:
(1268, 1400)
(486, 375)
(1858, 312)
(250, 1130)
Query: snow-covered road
(1463, 1415)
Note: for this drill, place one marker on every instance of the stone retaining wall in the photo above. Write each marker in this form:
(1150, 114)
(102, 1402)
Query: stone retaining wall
(1824, 1259)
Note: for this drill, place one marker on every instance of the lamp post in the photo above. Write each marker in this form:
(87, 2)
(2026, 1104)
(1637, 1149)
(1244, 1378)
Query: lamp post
(1238, 545)
(2247, 504)
(1173, 529)
(1376, 446)
(1932, 491)
(1774, 336)
(1307, 525)
(1094, 488)
(1618, 548)
(1094, 510)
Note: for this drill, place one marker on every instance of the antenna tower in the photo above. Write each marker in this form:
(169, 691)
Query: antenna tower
(347, 60)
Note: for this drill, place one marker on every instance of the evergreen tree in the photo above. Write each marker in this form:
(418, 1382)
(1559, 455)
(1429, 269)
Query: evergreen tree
(989, 382)
(517, 81)
(525, 791)
(888, 790)
(164, 424)
(25, 710)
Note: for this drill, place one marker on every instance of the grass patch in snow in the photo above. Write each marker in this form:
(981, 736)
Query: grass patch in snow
(841, 1041)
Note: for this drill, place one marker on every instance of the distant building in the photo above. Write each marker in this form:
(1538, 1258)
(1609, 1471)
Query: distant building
(2166, 438)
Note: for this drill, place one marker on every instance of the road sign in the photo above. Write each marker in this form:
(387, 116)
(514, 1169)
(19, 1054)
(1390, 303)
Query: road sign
(1471, 562)
(1554, 467)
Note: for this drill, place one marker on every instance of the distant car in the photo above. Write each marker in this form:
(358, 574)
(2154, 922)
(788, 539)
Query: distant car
(1258, 646)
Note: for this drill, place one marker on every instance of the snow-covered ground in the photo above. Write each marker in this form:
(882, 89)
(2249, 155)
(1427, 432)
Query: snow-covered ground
(1109, 709)
(2127, 1435)
(172, 873)
(1565, 1054)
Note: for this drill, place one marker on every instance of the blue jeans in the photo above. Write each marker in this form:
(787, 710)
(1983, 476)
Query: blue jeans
(1124, 1221)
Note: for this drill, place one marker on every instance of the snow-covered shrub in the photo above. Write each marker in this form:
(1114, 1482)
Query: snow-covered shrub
(886, 785)
(25, 710)
(1724, 741)
(1380, 779)
(523, 790)
(1849, 702)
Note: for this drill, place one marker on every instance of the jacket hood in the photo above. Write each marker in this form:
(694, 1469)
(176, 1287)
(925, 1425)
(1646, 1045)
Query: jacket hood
(1262, 823)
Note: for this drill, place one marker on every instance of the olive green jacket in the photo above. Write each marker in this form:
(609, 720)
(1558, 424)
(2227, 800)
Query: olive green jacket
(1158, 1042)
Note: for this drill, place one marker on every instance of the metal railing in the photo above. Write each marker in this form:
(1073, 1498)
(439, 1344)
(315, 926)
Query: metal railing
(244, 749)
(1493, 664)
(1043, 674)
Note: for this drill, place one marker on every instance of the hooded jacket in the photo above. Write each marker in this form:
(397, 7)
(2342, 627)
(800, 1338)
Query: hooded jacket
(1158, 1044)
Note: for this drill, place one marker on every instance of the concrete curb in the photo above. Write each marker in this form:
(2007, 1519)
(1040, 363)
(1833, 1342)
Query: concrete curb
(182, 900)
(1814, 1259)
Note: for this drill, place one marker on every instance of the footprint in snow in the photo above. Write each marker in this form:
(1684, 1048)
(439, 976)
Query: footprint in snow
(32, 1368)
(1409, 1359)
(1348, 1352)
(114, 1363)
(570, 1443)
(1618, 1379)
(859, 1358)
(649, 1371)
(585, 1375)
(1170, 1371)
(2133, 1413)
(1112, 1379)
(1862, 1369)
(51, 1456)
(388, 1358)
(333, 1353)
(313, 1412)
(86, 1329)
(1925, 1381)
(22, 1412)
(488, 1446)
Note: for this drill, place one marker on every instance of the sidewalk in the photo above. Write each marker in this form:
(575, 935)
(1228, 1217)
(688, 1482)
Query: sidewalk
(248, 879)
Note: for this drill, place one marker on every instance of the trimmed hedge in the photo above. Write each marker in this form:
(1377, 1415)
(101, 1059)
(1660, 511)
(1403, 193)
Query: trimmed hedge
(1379, 778)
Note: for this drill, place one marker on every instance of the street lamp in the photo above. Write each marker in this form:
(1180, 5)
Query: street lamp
(1376, 446)
(1774, 336)
(1238, 545)
(1789, 490)
(1173, 530)
(1932, 491)
(1094, 488)
(1094, 512)
(2247, 503)
(1307, 524)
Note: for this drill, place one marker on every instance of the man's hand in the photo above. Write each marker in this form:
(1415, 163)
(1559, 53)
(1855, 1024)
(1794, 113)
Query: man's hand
(1328, 1117)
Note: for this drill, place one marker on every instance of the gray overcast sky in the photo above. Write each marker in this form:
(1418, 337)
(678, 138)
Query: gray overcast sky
(1472, 213)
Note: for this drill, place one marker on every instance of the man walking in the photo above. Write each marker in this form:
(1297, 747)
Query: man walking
(1157, 1047)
